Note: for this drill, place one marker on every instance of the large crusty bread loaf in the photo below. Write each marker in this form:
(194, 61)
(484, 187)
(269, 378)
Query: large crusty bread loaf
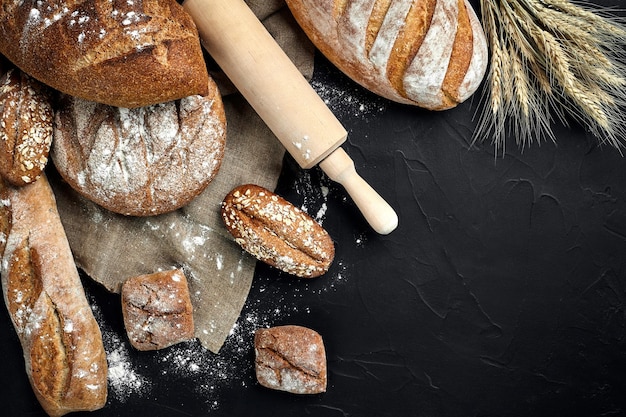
(143, 161)
(63, 350)
(121, 53)
(429, 53)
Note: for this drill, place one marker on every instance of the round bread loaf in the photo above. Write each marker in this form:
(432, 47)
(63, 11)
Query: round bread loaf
(141, 161)
(429, 53)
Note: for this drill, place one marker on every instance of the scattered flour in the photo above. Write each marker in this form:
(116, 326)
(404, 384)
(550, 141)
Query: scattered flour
(124, 380)
(208, 375)
(345, 101)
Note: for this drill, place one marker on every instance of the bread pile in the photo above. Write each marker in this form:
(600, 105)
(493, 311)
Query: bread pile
(119, 96)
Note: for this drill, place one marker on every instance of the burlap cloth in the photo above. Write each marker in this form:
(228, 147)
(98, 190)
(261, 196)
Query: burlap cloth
(110, 248)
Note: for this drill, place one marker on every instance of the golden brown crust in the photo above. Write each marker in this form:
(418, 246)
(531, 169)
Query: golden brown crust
(126, 54)
(157, 310)
(63, 350)
(26, 118)
(409, 40)
(290, 358)
(143, 161)
(6, 216)
(276, 232)
(403, 49)
(460, 58)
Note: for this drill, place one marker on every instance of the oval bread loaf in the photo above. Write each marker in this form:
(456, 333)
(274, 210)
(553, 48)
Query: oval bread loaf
(121, 53)
(276, 232)
(26, 119)
(429, 53)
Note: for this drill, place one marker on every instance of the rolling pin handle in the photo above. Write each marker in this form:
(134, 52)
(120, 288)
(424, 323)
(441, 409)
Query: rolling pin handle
(378, 213)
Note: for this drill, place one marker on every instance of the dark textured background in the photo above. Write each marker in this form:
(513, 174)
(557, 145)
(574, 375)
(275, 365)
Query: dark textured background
(502, 292)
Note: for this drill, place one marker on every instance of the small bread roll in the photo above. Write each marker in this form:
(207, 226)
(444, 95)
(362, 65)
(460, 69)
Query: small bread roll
(290, 358)
(276, 232)
(157, 310)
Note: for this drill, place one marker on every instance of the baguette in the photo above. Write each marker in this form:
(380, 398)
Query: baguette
(121, 53)
(429, 53)
(63, 350)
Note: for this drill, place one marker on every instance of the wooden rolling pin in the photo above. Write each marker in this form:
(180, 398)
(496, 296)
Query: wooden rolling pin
(284, 99)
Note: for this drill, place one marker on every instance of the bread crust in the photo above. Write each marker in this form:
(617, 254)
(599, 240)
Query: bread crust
(26, 118)
(143, 161)
(157, 310)
(63, 350)
(126, 54)
(429, 53)
(290, 358)
(276, 232)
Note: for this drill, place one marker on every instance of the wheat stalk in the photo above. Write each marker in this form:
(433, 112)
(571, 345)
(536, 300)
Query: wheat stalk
(552, 59)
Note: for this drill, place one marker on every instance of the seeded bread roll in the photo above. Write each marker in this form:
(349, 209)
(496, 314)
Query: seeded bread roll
(121, 53)
(429, 53)
(142, 161)
(63, 350)
(276, 232)
(157, 310)
(26, 118)
(290, 358)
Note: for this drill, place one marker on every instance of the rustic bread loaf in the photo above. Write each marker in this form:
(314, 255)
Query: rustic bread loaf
(63, 350)
(290, 358)
(26, 118)
(429, 53)
(276, 232)
(142, 161)
(122, 53)
(157, 310)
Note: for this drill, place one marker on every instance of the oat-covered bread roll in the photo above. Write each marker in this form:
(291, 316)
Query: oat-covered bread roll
(118, 52)
(429, 53)
(63, 350)
(142, 161)
(276, 232)
(26, 118)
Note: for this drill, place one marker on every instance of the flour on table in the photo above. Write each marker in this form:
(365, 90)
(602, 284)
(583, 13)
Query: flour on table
(124, 380)
(348, 101)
